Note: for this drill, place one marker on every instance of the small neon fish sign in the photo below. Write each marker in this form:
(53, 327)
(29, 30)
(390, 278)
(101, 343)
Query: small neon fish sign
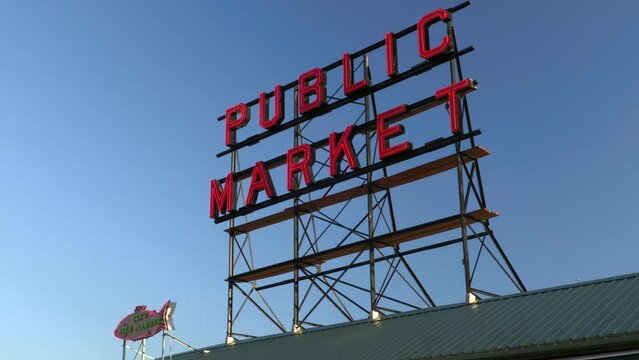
(143, 323)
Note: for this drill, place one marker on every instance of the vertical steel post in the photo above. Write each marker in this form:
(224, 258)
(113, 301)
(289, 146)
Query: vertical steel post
(163, 341)
(468, 122)
(229, 309)
(296, 223)
(462, 215)
(123, 349)
(143, 349)
(369, 179)
(460, 182)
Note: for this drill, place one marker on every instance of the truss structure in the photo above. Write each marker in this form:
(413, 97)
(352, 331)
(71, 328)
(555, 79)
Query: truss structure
(336, 230)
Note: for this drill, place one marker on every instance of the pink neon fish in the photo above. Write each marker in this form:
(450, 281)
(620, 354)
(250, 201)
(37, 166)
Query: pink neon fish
(143, 323)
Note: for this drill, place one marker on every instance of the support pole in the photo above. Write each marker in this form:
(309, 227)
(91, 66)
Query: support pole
(464, 230)
(296, 223)
(229, 310)
(123, 349)
(371, 221)
(204, 352)
(460, 185)
(163, 341)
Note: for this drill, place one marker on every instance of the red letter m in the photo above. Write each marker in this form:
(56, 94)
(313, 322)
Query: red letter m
(222, 200)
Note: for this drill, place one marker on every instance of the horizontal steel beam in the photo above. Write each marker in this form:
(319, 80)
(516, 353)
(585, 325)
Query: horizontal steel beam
(356, 54)
(390, 239)
(366, 262)
(415, 70)
(426, 148)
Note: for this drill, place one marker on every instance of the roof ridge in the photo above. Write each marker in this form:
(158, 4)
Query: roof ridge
(504, 297)
(566, 287)
(436, 309)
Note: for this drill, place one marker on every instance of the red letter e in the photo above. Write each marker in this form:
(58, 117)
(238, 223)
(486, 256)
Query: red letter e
(384, 133)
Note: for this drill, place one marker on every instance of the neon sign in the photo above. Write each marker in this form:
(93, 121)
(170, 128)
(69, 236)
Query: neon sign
(143, 323)
(312, 102)
(344, 180)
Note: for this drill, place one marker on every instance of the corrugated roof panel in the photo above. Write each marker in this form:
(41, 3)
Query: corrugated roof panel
(559, 318)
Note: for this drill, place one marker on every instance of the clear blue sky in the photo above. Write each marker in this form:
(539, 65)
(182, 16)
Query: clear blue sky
(108, 140)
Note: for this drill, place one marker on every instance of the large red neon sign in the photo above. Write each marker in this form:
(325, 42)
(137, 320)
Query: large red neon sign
(312, 101)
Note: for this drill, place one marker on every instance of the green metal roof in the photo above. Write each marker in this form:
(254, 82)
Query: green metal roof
(596, 316)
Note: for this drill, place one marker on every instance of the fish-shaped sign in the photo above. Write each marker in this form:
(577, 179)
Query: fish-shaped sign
(143, 323)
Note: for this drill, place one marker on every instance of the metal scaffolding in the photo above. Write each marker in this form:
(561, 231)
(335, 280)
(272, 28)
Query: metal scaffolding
(372, 237)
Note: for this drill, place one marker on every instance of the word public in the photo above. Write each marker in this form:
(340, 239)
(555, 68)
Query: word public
(311, 90)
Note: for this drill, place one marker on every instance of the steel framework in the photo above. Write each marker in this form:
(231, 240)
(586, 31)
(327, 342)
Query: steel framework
(371, 239)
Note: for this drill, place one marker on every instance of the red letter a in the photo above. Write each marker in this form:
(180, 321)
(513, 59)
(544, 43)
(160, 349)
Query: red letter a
(260, 180)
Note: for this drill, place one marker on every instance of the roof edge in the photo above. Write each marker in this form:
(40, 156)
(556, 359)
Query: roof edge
(493, 354)
(554, 350)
